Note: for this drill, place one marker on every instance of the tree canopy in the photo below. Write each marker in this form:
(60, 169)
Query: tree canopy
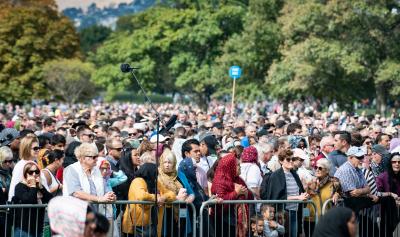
(30, 35)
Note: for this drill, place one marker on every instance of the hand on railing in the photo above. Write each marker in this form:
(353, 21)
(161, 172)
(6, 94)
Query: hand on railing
(303, 196)
(335, 198)
(108, 197)
(190, 198)
(160, 200)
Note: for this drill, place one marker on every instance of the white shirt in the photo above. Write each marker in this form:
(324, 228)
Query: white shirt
(207, 162)
(251, 174)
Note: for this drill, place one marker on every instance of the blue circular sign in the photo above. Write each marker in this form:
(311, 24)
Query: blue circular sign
(235, 72)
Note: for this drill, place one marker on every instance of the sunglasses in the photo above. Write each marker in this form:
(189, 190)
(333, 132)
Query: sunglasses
(291, 159)
(132, 134)
(8, 161)
(36, 148)
(319, 168)
(395, 161)
(116, 148)
(31, 172)
(89, 135)
(92, 157)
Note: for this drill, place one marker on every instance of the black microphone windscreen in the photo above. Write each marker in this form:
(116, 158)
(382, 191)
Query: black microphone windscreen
(125, 67)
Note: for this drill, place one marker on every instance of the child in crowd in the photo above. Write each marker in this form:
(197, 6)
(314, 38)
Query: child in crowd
(271, 227)
(257, 226)
(108, 210)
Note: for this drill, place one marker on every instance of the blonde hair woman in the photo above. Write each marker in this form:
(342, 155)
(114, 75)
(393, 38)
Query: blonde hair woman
(28, 151)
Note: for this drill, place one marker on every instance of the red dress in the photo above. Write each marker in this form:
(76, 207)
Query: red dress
(223, 186)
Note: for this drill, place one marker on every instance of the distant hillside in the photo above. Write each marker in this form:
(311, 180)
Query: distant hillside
(106, 16)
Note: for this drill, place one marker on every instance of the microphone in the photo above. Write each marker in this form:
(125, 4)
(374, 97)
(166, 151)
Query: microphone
(125, 67)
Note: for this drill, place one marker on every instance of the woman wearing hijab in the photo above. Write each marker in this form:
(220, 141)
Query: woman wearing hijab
(228, 185)
(337, 222)
(30, 191)
(138, 218)
(178, 184)
(72, 217)
(250, 172)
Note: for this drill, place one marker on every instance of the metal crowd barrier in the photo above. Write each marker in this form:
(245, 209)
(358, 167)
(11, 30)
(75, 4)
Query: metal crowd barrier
(178, 219)
(378, 220)
(28, 217)
(233, 218)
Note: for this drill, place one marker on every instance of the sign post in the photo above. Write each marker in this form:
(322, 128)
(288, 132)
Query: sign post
(235, 73)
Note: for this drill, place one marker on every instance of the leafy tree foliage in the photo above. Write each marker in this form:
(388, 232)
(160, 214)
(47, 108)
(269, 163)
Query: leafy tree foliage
(339, 50)
(92, 37)
(30, 35)
(175, 49)
(69, 80)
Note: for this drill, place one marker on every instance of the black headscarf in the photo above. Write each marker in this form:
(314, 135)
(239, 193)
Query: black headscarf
(148, 172)
(334, 223)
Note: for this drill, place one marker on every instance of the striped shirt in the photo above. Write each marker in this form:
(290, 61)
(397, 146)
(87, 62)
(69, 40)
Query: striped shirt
(292, 189)
(369, 176)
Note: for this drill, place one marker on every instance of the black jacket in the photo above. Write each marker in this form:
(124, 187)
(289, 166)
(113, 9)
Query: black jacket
(275, 188)
(30, 219)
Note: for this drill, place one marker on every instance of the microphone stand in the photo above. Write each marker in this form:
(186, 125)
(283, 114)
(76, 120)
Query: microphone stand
(157, 142)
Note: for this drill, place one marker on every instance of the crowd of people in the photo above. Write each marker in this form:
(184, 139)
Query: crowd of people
(102, 153)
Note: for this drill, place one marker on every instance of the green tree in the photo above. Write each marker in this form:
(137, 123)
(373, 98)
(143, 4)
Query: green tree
(175, 49)
(336, 50)
(92, 37)
(254, 49)
(31, 35)
(69, 80)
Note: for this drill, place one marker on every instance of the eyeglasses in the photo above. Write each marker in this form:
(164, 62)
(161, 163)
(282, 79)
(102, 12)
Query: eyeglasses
(8, 161)
(319, 168)
(291, 159)
(31, 172)
(36, 148)
(92, 157)
(395, 161)
(132, 134)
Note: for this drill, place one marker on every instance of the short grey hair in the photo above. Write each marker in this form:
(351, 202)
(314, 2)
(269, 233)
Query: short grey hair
(148, 157)
(86, 149)
(5, 153)
(325, 141)
(325, 163)
(262, 148)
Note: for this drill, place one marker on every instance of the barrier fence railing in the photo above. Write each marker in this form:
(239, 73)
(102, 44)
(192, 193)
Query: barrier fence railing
(231, 218)
(126, 218)
(375, 219)
(226, 218)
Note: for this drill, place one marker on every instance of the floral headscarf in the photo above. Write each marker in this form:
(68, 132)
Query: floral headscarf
(249, 155)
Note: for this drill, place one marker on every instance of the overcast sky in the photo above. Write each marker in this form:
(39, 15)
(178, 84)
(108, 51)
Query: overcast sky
(62, 4)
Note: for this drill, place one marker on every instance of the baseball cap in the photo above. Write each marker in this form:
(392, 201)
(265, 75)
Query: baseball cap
(8, 135)
(161, 138)
(299, 153)
(381, 150)
(357, 151)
